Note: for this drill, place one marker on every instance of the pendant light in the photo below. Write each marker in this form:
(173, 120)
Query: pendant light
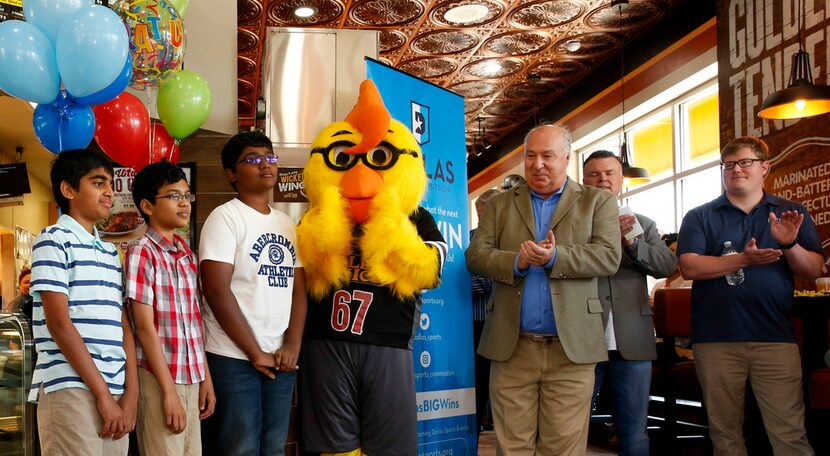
(801, 98)
(632, 175)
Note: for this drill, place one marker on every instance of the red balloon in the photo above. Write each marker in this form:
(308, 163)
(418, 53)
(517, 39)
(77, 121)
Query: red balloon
(162, 147)
(122, 128)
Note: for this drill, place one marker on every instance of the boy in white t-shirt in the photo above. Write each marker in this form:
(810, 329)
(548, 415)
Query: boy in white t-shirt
(254, 286)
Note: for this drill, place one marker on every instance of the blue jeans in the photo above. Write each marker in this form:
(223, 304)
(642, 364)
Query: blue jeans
(629, 382)
(252, 411)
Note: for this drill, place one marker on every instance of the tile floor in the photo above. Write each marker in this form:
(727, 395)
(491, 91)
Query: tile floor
(487, 446)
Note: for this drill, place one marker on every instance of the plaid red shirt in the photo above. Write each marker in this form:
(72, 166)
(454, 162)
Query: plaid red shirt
(163, 274)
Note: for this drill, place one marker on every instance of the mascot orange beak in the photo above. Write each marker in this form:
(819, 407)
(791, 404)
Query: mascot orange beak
(360, 184)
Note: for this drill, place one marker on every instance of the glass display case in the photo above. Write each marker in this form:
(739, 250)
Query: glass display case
(17, 433)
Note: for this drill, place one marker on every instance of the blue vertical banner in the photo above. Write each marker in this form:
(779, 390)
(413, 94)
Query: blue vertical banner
(443, 347)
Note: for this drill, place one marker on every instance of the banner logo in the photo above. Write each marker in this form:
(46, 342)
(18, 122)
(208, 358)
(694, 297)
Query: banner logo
(420, 122)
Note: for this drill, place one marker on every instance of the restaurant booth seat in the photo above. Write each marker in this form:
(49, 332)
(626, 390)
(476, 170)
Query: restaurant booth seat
(673, 377)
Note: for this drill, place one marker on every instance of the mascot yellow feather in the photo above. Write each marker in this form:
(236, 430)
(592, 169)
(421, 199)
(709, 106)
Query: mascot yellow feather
(367, 171)
(368, 249)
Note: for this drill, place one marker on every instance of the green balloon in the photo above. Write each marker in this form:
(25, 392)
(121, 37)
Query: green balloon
(180, 5)
(183, 103)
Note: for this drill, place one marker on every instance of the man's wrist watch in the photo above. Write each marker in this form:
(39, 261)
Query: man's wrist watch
(788, 246)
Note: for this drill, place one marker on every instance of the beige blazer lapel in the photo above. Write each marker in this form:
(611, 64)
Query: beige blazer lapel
(521, 198)
(570, 195)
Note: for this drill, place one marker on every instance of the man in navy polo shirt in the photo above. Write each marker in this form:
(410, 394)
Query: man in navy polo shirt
(744, 331)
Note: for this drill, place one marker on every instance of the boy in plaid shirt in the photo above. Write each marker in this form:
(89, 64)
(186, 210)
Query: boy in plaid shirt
(161, 285)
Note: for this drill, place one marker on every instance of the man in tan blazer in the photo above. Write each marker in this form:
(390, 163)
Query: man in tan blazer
(544, 244)
(626, 313)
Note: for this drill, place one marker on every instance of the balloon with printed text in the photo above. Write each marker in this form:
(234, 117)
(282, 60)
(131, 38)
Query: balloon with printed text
(157, 39)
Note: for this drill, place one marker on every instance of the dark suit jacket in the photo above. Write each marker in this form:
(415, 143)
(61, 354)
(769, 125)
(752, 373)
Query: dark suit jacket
(587, 246)
(626, 293)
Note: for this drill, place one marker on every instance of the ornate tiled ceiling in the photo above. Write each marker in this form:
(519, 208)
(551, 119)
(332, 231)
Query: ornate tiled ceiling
(530, 40)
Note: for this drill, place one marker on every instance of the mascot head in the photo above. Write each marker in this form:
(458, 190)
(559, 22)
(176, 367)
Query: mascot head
(365, 155)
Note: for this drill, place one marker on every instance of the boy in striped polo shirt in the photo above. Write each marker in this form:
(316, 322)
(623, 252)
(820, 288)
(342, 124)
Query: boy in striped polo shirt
(161, 286)
(85, 379)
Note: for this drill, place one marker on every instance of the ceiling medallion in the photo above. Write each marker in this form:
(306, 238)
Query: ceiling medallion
(497, 123)
(593, 43)
(517, 43)
(441, 13)
(636, 15)
(493, 68)
(471, 106)
(244, 66)
(246, 40)
(243, 88)
(475, 89)
(386, 12)
(429, 67)
(248, 11)
(511, 108)
(560, 69)
(391, 40)
(282, 13)
(244, 108)
(466, 14)
(533, 90)
(444, 42)
(546, 13)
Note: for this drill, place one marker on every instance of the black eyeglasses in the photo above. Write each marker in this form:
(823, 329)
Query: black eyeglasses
(383, 156)
(178, 197)
(743, 163)
(257, 159)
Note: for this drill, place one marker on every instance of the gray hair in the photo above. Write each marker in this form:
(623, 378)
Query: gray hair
(567, 138)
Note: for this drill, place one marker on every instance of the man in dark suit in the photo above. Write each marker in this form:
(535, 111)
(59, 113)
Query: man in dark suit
(544, 244)
(626, 313)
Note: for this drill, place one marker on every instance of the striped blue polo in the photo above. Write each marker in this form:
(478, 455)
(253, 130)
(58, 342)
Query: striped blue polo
(68, 259)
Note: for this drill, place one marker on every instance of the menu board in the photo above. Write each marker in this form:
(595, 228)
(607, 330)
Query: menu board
(11, 9)
(125, 224)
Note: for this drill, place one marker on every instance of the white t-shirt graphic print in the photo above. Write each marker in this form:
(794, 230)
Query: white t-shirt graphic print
(262, 250)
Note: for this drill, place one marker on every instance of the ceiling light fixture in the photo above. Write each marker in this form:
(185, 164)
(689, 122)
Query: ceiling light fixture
(480, 142)
(305, 11)
(620, 5)
(466, 14)
(573, 45)
(801, 98)
(491, 68)
(632, 175)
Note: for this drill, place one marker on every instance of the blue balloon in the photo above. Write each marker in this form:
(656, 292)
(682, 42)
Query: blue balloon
(48, 15)
(63, 124)
(28, 68)
(91, 48)
(112, 90)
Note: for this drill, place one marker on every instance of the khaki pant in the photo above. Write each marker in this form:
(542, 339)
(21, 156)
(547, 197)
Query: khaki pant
(775, 372)
(69, 423)
(154, 437)
(541, 401)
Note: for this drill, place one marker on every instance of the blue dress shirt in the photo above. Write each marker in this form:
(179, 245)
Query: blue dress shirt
(537, 306)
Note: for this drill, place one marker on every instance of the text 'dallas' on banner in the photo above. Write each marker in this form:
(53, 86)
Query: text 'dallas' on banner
(443, 347)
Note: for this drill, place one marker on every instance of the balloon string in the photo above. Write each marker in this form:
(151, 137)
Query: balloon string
(149, 95)
(61, 112)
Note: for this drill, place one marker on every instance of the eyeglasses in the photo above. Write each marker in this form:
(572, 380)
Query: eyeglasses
(383, 156)
(179, 197)
(257, 159)
(743, 163)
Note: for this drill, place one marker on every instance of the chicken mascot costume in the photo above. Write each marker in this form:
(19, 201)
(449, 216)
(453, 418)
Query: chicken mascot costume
(368, 250)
